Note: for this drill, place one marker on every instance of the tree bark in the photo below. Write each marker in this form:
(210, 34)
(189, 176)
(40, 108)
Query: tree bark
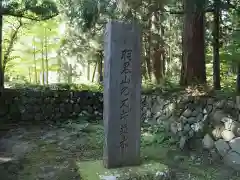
(94, 71)
(46, 53)
(88, 71)
(100, 66)
(29, 74)
(59, 64)
(162, 43)
(193, 60)
(238, 79)
(1, 59)
(70, 73)
(157, 58)
(148, 44)
(216, 58)
(34, 59)
(148, 54)
(43, 68)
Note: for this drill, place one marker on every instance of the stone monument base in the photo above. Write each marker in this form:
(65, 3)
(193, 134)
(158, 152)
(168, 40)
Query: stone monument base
(94, 170)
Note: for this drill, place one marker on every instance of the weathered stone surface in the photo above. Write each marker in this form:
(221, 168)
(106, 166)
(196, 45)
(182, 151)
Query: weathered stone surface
(122, 94)
(187, 113)
(227, 135)
(108, 178)
(208, 142)
(222, 147)
(235, 144)
(174, 128)
(30, 105)
(182, 142)
(218, 115)
(232, 125)
(217, 132)
(38, 105)
(232, 159)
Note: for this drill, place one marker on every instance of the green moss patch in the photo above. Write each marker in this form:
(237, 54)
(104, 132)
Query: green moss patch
(94, 170)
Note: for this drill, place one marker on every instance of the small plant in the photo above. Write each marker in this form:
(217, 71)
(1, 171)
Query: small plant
(58, 86)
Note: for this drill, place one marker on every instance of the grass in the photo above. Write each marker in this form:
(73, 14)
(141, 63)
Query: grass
(92, 170)
(86, 155)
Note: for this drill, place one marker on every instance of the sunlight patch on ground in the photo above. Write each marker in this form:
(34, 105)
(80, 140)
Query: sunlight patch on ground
(5, 159)
(94, 170)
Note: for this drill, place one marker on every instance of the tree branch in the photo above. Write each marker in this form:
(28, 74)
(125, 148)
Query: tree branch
(31, 18)
(22, 14)
(10, 46)
(224, 6)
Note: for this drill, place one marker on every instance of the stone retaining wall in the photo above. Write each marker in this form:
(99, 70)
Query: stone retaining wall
(212, 120)
(37, 105)
(29, 105)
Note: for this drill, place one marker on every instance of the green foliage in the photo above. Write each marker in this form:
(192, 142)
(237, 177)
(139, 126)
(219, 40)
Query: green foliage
(59, 86)
(73, 39)
(166, 86)
(88, 13)
(155, 134)
(31, 9)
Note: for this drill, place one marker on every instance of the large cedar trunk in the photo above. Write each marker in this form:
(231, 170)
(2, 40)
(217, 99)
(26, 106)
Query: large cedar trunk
(216, 58)
(148, 43)
(193, 61)
(1, 59)
(34, 59)
(238, 78)
(157, 60)
(144, 63)
(148, 50)
(157, 64)
(100, 66)
(46, 54)
(43, 68)
(162, 34)
(158, 48)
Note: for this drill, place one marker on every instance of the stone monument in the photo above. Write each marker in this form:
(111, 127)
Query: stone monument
(122, 94)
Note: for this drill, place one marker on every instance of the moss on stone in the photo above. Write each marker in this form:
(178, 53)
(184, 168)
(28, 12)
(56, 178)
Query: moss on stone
(94, 170)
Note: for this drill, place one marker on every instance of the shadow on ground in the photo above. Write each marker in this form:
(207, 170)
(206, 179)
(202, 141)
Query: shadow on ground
(52, 153)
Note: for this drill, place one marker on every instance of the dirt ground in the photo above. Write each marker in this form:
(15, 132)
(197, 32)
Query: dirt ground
(53, 152)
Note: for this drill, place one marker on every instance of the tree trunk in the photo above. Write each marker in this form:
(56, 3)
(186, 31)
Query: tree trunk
(94, 71)
(170, 56)
(43, 71)
(70, 69)
(148, 44)
(216, 58)
(46, 54)
(162, 43)
(193, 60)
(238, 79)
(157, 59)
(29, 74)
(59, 65)
(163, 56)
(34, 59)
(88, 71)
(1, 60)
(144, 68)
(100, 66)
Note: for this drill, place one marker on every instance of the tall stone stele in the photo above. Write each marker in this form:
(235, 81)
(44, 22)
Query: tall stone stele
(122, 94)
